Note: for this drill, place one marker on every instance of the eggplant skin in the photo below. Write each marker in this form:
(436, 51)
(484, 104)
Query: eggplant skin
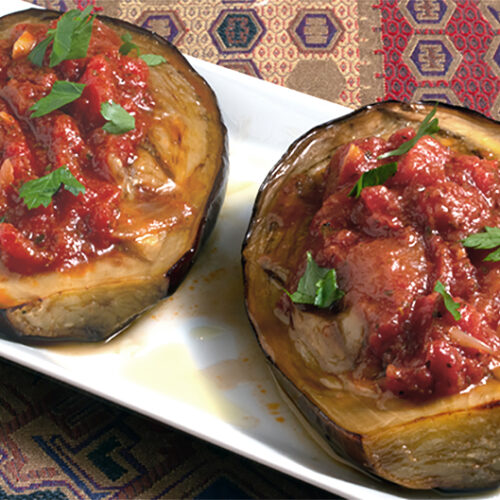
(96, 301)
(450, 443)
(118, 304)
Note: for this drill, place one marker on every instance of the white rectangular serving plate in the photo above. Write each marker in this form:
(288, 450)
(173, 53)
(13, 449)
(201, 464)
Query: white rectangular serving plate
(193, 361)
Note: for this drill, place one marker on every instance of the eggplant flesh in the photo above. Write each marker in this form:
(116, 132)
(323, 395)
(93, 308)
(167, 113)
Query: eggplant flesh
(451, 442)
(184, 152)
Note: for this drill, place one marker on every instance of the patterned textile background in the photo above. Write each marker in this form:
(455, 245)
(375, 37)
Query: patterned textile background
(352, 52)
(59, 443)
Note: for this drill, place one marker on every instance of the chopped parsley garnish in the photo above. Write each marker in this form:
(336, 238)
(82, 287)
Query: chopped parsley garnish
(487, 240)
(119, 121)
(153, 59)
(452, 306)
(428, 126)
(62, 93)
(127, 44)
(374, 177)
(380, 174)
(40, 191)
(37, 55)
(70, 38)
(149, 59)
(317, 286)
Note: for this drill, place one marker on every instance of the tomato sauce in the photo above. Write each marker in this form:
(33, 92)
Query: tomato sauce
(393, 244)
(72, 229)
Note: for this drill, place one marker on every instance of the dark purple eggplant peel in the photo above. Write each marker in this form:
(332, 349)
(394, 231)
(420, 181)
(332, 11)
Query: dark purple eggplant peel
(96, 301)
(450, 443)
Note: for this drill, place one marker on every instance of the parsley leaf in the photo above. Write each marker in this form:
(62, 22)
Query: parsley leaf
(380, 174)
(62, 93)
(153, 59)
(452, 306)
(374, 177)
(71, 38)
(127, 45)
(428, 126)
(317, 286)
(119, 120)
(149, 59)
(40, 191)
(493, 256)
(38, 53)
(490, 238)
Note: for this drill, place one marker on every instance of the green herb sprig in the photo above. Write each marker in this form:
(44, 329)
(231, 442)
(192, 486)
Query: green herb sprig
(71, 38)
(428, 126)
(486, 240)
(452, 306)
(317, 286)
(40, 191)
(119, 121)
(62, 93)
(128, 46)
(374, 177)
(380, 174)
(153, 59)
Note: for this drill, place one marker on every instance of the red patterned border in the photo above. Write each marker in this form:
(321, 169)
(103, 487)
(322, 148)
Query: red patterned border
(447, 62)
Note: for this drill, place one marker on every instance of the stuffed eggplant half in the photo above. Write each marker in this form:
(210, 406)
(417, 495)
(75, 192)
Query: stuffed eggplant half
(113, 169)
(372, 280)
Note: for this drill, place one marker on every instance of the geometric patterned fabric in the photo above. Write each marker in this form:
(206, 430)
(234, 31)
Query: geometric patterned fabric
(58, 443)
(352, 52)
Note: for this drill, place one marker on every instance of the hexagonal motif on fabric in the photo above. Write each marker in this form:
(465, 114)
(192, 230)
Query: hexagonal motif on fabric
(491, 11)
(320, 78)
(433, 14)
(432, 57)
(492, 56)
(436, 94)
(165, 23)
(237, 31)
(315, 30)
(245, 66)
